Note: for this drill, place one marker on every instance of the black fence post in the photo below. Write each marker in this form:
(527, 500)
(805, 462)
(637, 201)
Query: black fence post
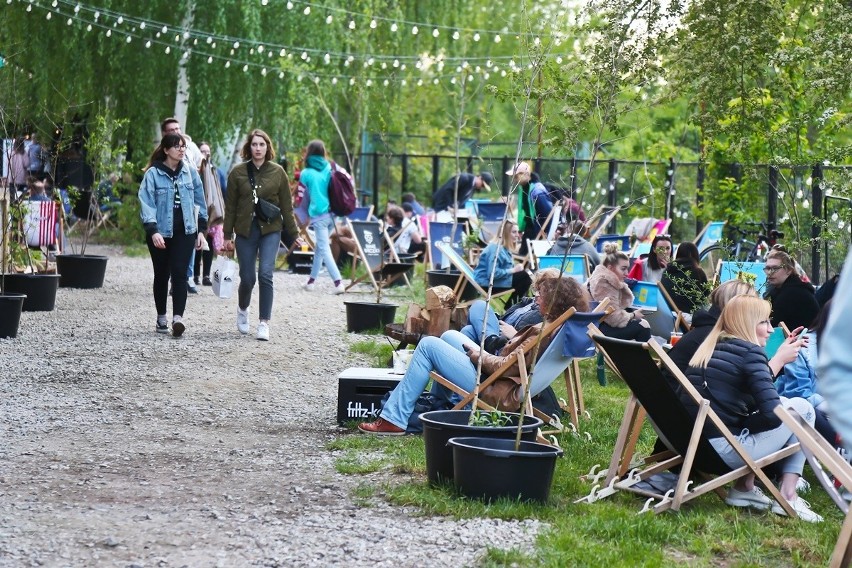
(504, 183)
(816, 217)
(699, 195)
(670, 188)
(436, 171)
(736, 172)
(574, 178)
(772, 198)
(469, 166)
(404, 182)
(375, 182)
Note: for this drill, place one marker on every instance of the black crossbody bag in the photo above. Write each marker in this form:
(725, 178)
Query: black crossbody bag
(263, 209)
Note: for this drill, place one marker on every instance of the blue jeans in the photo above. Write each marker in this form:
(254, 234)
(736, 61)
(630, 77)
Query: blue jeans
(322, 255)
(478, 311)
(250, 249)
(444, 355)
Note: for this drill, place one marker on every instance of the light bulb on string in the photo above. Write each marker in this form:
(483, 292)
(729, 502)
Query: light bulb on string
(326, 59)
(351, 81)
(329, 19)
(281, 74)
(456, 34)
(119, 21)
(476, 37)
(210, 59)
(168, 49)
(282, 53)
(76, 8)
(245, 68)
(69, 21)
(386, 83)
(289, 5)
(264, 2)
(260, 49)
(394, 27)
(141, 25)
(49, 15)
(89, 28)
(127, 39)
(396, 62)
(263, 71)
(373, 24)
(384, 65)
(351, 24)
(29, 7)
(334, 80)
(165, 29)
(435, 32)
(186, 35)
(195, 41)
(148, 44)
(307, 11)
(497, 38)
(97, 15)
(227, 64)
(369, 82)
(109, 33)
(403, 82)
(414, 30)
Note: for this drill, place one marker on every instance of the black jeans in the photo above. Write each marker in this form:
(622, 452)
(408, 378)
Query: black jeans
(633, 330)
(171, 262)
(207, 257)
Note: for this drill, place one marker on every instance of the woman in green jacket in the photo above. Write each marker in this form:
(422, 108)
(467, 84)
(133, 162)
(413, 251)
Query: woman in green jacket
(259, 177)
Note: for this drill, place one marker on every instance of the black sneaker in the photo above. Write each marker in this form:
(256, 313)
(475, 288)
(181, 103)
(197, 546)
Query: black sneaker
(207, 281)
(178, 328)
(162, 327)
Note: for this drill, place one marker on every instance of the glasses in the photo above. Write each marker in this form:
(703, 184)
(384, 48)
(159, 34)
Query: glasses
(180, 146)
(773, 269)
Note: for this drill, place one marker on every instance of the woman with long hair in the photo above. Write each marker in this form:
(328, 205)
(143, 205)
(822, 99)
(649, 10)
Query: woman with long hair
(650, 268)
(169, 195)
(793, 300)
(315, 177)
(257, 241)
(685, 281)
(608, 281)
(507, 273)
(456, 356)
(19, 164)
(730, 370)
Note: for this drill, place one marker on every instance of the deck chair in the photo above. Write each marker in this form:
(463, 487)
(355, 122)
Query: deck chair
(622, 240)
(600, 220)
(548, 229)
(825, 461)
(652, 396)
(466, 275)
(680, 323)
(443, 232)
(648, 297)
(730, 270)
(490, 217)
(369, 251)
(709, 235)
(40, 219)
(361, 214)
(574, 265)
(537, 248)
(570, 342)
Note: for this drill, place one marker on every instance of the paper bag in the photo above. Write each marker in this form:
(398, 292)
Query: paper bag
(224, 274)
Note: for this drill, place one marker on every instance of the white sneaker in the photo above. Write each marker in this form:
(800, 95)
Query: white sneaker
(309, 287)
(242, 321)
(339, 289)
(263, 331)
(754, 498)
(802, 508)
(802, 486)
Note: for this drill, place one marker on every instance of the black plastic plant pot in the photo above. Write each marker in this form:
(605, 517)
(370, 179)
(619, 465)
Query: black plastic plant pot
(445, 278)
(441, 425)
(40, 290)
(81, 271)
(10, 314)
(368, 316)
(489, 469)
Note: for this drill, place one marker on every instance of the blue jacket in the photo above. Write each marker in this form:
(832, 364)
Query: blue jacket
(503, 270)
(315, 178)
(538, 199)
(157, 198)
(798, 378)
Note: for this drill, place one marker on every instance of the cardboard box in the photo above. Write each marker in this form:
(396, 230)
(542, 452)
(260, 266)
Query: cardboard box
(360, 391)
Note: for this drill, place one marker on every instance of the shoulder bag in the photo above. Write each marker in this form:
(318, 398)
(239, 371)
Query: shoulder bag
(263, 209)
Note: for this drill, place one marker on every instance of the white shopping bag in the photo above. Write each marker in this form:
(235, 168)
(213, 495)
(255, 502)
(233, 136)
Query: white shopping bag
(224, 275)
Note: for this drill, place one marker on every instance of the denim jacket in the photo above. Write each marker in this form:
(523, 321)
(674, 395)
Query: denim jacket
(503, 271)
(157, 197)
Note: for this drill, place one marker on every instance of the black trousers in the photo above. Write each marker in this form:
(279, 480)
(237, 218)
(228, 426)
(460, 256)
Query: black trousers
(633, 330)
(171, 262)
(207, 257)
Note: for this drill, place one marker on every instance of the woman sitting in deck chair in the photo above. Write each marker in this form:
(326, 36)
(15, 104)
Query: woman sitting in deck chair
(507, 274)
(455, 357)
(730, 370)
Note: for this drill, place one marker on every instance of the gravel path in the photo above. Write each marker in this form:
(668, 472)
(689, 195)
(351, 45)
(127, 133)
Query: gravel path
(122, 447)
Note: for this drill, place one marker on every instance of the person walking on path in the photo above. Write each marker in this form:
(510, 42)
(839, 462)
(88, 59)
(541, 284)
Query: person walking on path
(259, 177)
(315, 177)
(169, 193)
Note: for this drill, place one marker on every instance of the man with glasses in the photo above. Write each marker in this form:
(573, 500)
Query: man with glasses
(192, 158)
(793, 301)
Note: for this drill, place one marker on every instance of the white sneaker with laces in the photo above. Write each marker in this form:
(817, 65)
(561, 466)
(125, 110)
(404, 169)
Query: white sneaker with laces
(263, 331)
(243, 321)
(802, 509)
(754, 498)
(309, 287)
(339, 289)
(802, 486)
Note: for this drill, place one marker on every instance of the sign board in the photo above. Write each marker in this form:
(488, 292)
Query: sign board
(573, 265)
(749, 271)
(369, 238)
(441, 233)
(622, 240)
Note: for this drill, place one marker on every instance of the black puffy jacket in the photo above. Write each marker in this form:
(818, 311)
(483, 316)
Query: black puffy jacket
(738, 383)
(793, 303)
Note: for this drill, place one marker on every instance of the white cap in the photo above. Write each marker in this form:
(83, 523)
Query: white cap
(520, 168)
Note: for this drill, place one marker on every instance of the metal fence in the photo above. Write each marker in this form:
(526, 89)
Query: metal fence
(808, 203)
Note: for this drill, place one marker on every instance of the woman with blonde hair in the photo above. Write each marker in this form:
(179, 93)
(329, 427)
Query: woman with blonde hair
(507, 274)
(607, 281)
(731, 371)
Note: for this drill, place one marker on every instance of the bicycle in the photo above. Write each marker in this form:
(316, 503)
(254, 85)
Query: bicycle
(743, 249)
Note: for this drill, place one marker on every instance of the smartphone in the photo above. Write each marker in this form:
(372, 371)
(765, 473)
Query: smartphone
(803, 333)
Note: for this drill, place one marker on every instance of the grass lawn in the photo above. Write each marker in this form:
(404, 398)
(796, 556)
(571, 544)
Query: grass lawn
(704, 532)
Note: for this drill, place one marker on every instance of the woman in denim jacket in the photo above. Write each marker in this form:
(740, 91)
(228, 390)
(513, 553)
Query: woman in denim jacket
(507, 274)
(174, 214)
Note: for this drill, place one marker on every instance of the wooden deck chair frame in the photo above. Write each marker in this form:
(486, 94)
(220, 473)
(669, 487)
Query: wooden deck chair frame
(603, 216)
(303, 233)
(466, 275)
(548, 229)
(394, 256)
(822, 456)
(386, 277)
(642, 369)
(535, 249)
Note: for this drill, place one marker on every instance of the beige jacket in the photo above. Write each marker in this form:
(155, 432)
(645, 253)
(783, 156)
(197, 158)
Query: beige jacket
(604, 283)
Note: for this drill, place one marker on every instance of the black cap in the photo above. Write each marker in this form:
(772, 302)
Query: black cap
(487, 178)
